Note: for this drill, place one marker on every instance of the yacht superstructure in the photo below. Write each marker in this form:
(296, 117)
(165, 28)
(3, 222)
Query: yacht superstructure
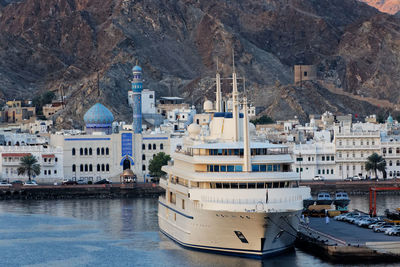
(228, 193)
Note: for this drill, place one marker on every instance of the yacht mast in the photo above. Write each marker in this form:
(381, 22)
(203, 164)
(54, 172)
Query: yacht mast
(235, 101)
(218, 94)
(246, 139)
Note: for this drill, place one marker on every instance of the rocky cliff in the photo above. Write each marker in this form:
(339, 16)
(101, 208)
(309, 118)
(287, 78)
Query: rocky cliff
(387, 6)
(87, 48)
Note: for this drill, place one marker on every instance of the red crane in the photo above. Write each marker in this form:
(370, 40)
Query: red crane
(372, 197)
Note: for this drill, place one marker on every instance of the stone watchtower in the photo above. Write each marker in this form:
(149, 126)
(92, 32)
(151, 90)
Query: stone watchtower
(137, 87)
(304, 73)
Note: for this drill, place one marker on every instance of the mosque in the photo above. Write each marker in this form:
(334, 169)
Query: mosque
(103, 152)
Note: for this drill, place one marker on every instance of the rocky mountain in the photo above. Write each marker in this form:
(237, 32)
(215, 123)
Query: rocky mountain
(387, 6)
(86, 48)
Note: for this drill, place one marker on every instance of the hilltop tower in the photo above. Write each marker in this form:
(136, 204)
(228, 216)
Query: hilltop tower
(137, 87)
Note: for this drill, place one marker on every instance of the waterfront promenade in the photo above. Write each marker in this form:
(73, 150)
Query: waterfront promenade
(351, 187)
(130, 190)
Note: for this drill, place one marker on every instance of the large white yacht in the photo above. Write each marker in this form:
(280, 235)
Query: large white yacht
(227, 192)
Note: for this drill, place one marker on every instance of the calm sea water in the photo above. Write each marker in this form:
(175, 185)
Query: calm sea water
(116, 232)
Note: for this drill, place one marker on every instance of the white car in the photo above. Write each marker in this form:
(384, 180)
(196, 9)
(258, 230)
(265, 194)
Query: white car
(392, 230)
(318, 178)
(5, 183)
(30, 183)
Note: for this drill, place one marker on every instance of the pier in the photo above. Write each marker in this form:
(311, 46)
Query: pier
(351, 187)
(131, 190)
(347, 243)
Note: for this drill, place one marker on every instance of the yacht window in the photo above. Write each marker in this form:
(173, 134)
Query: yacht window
(275, 167)
(270, 168)
(223, 168)
(225, 185)
(231, 168)
(269, 185)
(238, 168)
(243, 185)
(263, 168)
(252, 185)
(255, 168)
(218, 185)
(281, 184)
(260, 185)
(216, 168)
(275, 185)
(219, 151)
(234, 185)
(210, 168)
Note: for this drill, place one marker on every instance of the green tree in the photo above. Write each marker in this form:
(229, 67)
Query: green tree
(375, 163)
(263, 120)
(29, 166)
(157, 162)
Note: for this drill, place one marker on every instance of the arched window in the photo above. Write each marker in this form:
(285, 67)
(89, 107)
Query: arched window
(90, 151)
(390, 163)
(154, 147)
(102, 167)
(107, 151)
(90, 167)
(73, 151)
(143, 157)
(143, 146)
(390, 173)
(81, 167)
(398, 150)
(107, 168)
(143, 167)
(98, 151)
(56, 159)
(86, 168)
(86, 151)
(81, 151)
(45, 172)
(149, 146)
(102, 150)
(390, 150)
(98, 167)
(398, 163)
(384, 150)
(74, 168)
(161, 146)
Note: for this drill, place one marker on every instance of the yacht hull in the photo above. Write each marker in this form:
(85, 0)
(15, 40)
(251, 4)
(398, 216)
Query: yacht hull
(247, 234)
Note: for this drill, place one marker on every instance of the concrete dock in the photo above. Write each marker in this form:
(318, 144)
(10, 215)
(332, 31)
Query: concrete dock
(344, 242)
(351, 187)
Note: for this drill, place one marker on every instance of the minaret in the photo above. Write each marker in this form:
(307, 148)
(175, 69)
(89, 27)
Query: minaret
(235, 102)
(137, 87)
(218, 98)
(246, 139)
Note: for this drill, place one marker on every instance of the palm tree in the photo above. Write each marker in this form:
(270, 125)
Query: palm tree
(375, 163)
(28, 166)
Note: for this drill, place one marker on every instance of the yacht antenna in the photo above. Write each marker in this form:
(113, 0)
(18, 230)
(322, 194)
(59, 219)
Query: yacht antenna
(235, 101)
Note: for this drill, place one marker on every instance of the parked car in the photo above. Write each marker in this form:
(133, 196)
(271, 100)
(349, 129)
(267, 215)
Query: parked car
(390, 231)
(103, 181)
(81, 181)
(17, 182)
(318, 178)
(30, 183)
(367, 222)
(69, 182)
(359, 218)
(5, 183)
(371, 226)
(382, 228)
(394, 231)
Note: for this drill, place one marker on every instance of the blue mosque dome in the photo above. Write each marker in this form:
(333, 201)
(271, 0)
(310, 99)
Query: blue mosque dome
(137, 69)
(98, 116)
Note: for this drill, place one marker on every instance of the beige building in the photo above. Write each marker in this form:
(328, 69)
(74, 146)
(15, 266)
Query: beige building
(18, 111)
(51, 109)
(304, 73)
(352, 150)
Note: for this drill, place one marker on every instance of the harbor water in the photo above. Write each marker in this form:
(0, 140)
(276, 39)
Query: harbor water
(118, 232)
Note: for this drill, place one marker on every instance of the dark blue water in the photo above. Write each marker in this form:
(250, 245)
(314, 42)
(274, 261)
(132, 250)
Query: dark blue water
(105, 233)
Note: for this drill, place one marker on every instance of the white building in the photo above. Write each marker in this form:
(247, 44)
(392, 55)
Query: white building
(50, 160)
(390, 150)
(148, 101)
